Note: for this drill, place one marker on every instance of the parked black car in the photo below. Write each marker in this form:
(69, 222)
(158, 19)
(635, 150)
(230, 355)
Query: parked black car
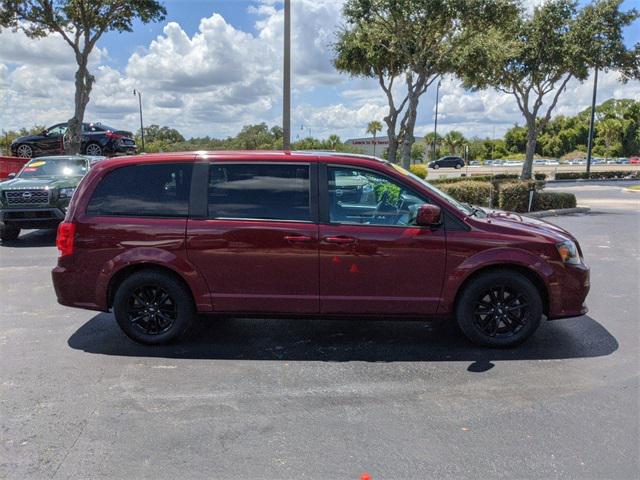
(452, 162)
(97, 140)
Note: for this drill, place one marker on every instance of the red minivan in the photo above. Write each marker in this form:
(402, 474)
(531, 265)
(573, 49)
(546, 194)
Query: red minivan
(160, 238)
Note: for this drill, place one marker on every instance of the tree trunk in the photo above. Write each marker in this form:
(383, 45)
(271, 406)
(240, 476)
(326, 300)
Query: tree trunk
(84, 84)
(374, 143)
(532, 138)
(409, 122)
(392, 149)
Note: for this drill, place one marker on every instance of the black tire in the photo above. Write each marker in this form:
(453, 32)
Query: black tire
(159, 321)
(436, 166)
(8, 233)
(458, 166)
(497, 309)
(94, 149)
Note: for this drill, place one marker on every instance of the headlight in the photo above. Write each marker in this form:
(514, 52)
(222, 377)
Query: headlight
(66, 192)
(568, 252)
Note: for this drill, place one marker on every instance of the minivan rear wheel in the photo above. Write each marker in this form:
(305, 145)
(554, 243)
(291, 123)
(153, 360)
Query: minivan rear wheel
(499, 309)
(153, 308)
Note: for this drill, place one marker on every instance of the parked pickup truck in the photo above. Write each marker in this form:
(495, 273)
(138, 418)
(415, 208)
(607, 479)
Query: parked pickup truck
(38, 196)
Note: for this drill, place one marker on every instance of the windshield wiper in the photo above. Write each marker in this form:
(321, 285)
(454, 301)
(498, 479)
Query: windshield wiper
(474, 210)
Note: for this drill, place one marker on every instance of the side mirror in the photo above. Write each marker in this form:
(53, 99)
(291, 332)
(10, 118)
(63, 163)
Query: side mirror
(428, 215)
(44, 133)
(12, 175)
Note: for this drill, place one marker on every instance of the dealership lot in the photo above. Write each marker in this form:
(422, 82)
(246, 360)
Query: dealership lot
(325, 399)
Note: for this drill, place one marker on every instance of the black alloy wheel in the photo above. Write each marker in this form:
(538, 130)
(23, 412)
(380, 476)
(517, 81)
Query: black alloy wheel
(152, 310)
(500, 312)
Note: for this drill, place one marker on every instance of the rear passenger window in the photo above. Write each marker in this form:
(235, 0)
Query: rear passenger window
(259, 191)
(159, 190)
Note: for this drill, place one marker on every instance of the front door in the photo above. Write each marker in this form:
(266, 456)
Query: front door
(373, 260)
(258, 248)
(53, 141)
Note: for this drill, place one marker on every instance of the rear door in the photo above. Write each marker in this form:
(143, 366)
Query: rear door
(256, 243)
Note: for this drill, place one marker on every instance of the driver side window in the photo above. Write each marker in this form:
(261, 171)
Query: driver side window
(57, 130)
(359, 196)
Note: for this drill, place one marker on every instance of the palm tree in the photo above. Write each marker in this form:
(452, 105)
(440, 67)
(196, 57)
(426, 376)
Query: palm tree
(373, 128)
(453, 140)
(333, 141)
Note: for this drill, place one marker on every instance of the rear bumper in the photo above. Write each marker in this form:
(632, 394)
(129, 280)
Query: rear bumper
(32, 217)
(72, 293)
(568, 293)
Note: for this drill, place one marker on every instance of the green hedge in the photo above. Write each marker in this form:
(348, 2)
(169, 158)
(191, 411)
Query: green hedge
(596, 175)
(554, 200)
(419, 170)
(477, 193)
(514, 197)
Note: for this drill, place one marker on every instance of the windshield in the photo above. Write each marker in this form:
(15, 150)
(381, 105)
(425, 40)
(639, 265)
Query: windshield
(59, 167)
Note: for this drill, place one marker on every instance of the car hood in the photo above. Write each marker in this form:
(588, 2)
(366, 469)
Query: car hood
(526, 225)
(29, 183)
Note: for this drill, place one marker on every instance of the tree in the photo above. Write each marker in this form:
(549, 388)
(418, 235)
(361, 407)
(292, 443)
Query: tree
(81, 23)
(533, 57)
(156, 133)
(433, 140)
(453, 140)
(334, 141)
(373, 128)
(413, 41)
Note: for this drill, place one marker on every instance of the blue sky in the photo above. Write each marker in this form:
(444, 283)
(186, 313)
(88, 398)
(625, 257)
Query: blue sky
(215, 65)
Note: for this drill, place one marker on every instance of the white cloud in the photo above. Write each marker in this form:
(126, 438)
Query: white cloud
(219, 78)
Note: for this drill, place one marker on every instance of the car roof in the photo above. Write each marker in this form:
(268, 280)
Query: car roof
(253, 155)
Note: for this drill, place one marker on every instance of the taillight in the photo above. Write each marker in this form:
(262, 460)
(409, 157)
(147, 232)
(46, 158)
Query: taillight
(65, 238)
(110, 134)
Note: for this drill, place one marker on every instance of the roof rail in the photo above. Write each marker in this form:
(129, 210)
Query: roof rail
(333, 153)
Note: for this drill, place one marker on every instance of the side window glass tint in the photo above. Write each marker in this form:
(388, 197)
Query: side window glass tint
(259, 191)
(364, 197)
(158, 190)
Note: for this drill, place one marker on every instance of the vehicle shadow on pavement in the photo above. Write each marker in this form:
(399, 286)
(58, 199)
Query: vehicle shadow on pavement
(33, 238)
(347, 340)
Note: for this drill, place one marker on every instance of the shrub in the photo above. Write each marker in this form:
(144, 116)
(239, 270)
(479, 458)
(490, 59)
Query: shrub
(514, 196)
(477, 193)
(596, 175)
(419, 170)
(553, 200)
(540, 176)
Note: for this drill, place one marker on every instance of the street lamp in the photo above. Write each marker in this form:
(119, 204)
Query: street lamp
(139, 93)
(591, 122)
(435, 123)
(286, 93)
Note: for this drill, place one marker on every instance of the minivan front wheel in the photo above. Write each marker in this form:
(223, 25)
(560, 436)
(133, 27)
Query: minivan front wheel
(499, 309)
(153, 308)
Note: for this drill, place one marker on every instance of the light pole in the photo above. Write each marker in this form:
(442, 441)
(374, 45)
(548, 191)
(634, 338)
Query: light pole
(591, 123)
(435, 123)
(286, 94)
(139, 93)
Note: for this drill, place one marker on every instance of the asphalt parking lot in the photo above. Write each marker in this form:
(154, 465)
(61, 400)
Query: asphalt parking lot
(301, 399)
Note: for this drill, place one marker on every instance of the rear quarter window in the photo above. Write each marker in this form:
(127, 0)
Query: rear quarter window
(157, 190)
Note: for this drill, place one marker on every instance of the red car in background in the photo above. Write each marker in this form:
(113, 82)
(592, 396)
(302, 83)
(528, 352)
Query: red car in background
(159, 238)
(634, 160)
(10, 165)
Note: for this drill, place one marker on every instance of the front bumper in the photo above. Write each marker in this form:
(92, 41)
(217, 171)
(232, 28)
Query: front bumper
(568, 293)
(32, 217)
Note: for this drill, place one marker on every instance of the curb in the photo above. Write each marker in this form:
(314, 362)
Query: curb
(592, 180)
(558, 212)
(631, 190)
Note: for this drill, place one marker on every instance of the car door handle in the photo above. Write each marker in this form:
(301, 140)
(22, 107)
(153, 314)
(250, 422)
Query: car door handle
(297, 238)
(340, 240)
